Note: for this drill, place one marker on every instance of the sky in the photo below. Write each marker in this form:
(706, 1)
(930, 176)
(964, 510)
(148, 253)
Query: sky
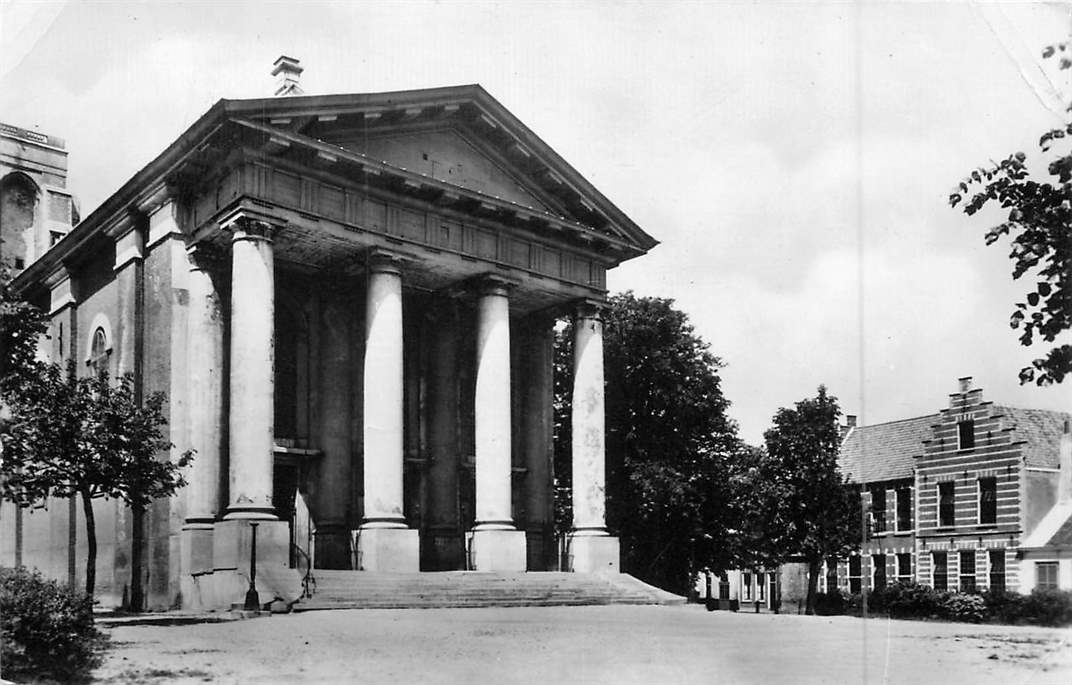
(793, 159)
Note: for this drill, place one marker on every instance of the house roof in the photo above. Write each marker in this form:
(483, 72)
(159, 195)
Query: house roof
(884, 451)
(1063, 536)
(1041, 430)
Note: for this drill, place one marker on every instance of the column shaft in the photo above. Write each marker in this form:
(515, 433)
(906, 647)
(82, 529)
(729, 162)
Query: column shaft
(492, 408)
(588, 424)
(383, 409)
(252, 372)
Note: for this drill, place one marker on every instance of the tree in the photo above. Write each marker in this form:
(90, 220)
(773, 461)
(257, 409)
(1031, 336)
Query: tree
(802, 505)
(21, 324)
(669, 441)
(85, 437)
(1039, 225)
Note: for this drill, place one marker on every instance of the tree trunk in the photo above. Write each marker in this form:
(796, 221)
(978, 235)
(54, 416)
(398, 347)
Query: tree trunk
(91, 543)
(813, 584)
(137, 544)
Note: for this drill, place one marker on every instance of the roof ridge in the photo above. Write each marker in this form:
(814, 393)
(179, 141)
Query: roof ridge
(887, 423)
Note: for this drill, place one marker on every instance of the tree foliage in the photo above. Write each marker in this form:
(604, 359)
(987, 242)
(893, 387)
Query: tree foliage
(802, 506)
(86, 437)
(669, 441)
(1039, 227)
(21, 324)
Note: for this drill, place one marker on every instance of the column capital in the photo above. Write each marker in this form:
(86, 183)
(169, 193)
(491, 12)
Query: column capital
(248, 224)
(204, 256)
(381, 261)
(494, 284)
(589, 309)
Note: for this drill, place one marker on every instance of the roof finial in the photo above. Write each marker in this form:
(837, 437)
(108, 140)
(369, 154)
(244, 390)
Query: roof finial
(287, 71)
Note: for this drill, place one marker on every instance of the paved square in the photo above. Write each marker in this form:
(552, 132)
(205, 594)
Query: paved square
(611, 644)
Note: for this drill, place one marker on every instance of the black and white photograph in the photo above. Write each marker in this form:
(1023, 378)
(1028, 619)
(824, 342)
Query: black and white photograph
(485, 341)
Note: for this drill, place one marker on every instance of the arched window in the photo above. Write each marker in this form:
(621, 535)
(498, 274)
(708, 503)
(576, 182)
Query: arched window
(98, 351)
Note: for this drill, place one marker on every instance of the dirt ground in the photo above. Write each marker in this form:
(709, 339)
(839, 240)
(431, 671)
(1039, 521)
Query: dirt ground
(617, 644)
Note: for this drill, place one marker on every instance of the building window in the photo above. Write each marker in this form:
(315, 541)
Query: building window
(1046, 575)
(98, 351)
(967, 570)
(988, 500)
(855, 574)
(878, 510)
(941, 570)
(878, 562)
(746, 579)
(997, 569)
(904, 508)
(966, 434)
(904, 567)
(831, 575)
(945, 504)
(760, 586)
(723, 586)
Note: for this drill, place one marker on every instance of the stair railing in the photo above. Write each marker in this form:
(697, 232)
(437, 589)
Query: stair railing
(308, 580)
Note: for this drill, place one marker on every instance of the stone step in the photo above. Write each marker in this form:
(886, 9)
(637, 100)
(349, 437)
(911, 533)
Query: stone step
(365, 590)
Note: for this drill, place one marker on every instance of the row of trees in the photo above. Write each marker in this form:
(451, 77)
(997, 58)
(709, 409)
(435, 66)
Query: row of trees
(683, 491)
(65, 435)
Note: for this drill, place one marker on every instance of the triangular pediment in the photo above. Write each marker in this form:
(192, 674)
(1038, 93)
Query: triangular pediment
(459, 136)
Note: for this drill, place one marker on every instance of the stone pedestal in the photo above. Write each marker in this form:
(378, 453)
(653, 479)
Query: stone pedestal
(196, 548)
(388, 550)
(231, 541)
(498, 550)
(595, 553)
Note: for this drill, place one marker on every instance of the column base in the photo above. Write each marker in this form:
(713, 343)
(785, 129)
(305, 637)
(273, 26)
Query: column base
(196, 548)
(231, 542)
(497, 550)
(388, 550)
(594, 553)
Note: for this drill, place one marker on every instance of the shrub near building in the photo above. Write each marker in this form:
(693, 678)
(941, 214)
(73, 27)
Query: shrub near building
(46, 629)
(916, 601)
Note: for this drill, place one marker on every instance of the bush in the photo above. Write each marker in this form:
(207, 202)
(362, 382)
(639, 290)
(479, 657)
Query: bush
(961, 606)
(1003, 606)
(47, 629)
(830, 603)
(909, 599)
(1048, 607)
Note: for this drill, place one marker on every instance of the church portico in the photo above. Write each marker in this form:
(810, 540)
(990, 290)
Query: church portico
(369, 298)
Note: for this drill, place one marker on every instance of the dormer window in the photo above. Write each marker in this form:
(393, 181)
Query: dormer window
(966, 434)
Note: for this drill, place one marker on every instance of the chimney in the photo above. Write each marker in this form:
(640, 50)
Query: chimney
(965, 382)
(287, 72)
(850, 420)
(1064, 484)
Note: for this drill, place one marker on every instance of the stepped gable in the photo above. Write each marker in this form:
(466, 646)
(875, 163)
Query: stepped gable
(884, 451)
(1040, 430)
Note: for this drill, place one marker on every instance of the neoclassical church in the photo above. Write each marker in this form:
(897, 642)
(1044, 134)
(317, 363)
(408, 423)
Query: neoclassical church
(350, 301)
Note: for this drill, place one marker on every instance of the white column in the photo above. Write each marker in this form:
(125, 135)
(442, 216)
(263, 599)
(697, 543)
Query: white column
(588, 424)
(591, 547)
(205, 363)
(383, 396)
(384, 542)
(492, 409)
(495, 545)
(204, 350)
(252, 370)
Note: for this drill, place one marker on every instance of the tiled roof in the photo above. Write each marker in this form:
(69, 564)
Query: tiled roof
(1041, 429)
(1063, 536)
(884, 451)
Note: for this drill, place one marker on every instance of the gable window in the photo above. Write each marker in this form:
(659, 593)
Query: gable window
(878, 510)
(878, 563)
(967, 570)
(904, 567)
(945, 504)
(988, 500)
(98, 351)
(940, 566)
(997, 569)
(966, 434)
(855, 574)
(904, 508)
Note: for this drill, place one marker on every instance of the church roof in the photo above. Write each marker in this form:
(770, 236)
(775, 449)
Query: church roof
(303, 126)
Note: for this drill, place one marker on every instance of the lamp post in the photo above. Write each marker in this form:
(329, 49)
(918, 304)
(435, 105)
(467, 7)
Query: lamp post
(253, 600)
